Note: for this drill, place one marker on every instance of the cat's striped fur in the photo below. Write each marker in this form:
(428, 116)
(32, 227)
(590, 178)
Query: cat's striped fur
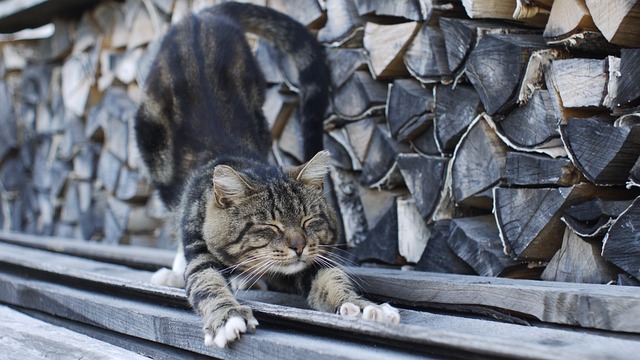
(204, 140)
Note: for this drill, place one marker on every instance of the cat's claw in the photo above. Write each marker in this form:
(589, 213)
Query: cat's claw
(384, 313)
(230, 331)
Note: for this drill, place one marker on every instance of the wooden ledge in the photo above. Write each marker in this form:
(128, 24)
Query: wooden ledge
(16, 15)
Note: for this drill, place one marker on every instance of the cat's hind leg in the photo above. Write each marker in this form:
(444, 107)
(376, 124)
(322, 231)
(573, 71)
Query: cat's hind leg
(172, 277)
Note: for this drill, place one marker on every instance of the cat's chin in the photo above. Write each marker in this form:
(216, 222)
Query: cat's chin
(290, 269)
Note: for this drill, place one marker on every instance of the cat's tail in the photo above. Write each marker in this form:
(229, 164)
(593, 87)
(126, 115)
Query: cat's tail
(293, 38)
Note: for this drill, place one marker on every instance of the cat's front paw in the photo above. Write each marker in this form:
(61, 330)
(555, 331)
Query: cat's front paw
(220, 334)
(384, 313)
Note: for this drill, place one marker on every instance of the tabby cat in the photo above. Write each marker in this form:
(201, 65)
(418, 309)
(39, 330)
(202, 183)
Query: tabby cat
(204, 140)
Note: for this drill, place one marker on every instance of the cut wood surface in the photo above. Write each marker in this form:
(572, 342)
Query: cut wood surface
(594, 217)
(478, 164)
(409, 109)
(438, 256)
(579, 261)
(618, 20)
(496, 66)
(24, 337)
(386, 45)
(580, 82)
(532, 124)
(426, 57)
(621, 245)
(424, 333)
(455, 110)
(475, 240)
(568, 17)
(628, 84)
(603, 152)
(424, 176)
(533, 170)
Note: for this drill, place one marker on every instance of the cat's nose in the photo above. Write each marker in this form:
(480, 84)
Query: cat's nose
(297, 244)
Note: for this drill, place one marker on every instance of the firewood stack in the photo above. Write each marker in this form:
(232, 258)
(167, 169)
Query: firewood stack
(498, 138)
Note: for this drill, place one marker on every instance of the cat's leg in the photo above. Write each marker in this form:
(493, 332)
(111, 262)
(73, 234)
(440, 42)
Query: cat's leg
(332, 291)
(174, 276)
(224, 318)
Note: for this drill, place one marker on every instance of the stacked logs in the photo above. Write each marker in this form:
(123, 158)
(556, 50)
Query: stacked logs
(485, 137)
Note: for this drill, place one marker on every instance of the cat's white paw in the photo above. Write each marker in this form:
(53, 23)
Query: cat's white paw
(384, 313)
(168, 277)
(350, 311)
(230, 331)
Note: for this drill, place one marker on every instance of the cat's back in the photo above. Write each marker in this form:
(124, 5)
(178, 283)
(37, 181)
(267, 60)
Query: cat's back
(202, 100)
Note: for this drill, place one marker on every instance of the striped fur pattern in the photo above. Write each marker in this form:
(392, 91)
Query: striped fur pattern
(242, 222)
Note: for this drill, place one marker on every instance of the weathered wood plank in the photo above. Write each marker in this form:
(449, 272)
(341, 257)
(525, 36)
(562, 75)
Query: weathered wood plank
(24, 337)
(561, 303)
(137, 257)
(181, 328)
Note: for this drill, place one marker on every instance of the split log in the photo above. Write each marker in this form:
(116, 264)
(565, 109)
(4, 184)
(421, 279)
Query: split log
(381, 242)
(522, 169)
(346, 190)
(72, 139)
(621, 245)
(407, 9)
(92, 218)
(131, 185)
(532, 125)
(627, 280)
(84, 163)
(424, 176)
(8, 136)
(359, 134)
(579, 261)
(455, 110)
(278, 108)
(264, 54)
(77, 79)
(376, 203)
(380, 169)
(361, 96)
(478, 165)
(583, 82)
(13, 175)
(108, 170)
(117, 132)
(343, 155)
(289, 140)
(123, 218)
(462, 35)
(594, 217)
(409, 109)
(413, 232)
(308, 12)
(568, 17)
(604, 153)
(438, 257)
(506, 9)
(343, 63)
(529, 218)
(628, 93)
(426, 56)
(426, 143)
(386, 45)
(475, 240)
(617, 20)
(71, 208)
(634, 175)
(497, 65)
(344, 26)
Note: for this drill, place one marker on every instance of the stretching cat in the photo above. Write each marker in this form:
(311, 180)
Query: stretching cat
(204, 139)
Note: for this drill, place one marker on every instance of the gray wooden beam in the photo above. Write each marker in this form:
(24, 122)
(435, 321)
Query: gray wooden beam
(16, 15)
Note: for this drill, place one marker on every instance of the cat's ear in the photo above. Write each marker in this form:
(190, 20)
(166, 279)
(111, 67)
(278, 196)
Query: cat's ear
(228, 186)
(314, 171)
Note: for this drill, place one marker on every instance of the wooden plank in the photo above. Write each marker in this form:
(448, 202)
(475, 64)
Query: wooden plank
(24, 337)
(617, 307)
(421, 332)
(137, 257)
(547, 301)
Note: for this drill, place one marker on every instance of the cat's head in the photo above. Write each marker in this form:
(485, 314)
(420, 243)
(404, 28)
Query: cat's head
(268, 219)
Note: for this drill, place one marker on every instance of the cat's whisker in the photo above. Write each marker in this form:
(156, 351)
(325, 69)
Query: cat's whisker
(344, 261)
(354, 279)
(233, 268)
(264, 272)
(256, 274)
